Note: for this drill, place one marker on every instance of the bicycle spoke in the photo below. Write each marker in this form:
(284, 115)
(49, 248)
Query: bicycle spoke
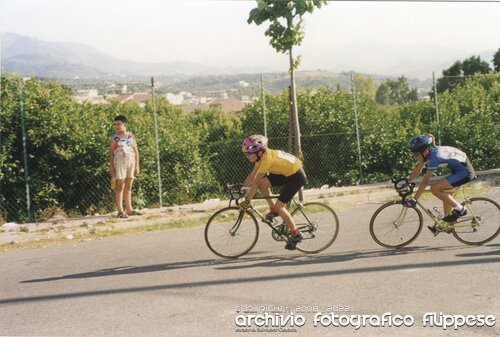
(484, 222)
(319, 226)
(230, 233)
(393, 226)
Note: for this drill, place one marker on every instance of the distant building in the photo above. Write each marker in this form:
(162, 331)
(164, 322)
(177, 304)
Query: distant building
(139, 97)
(227, 105)
(182, 98)
(247, 99)
(220, 94)
(175, 99)
(88, 95)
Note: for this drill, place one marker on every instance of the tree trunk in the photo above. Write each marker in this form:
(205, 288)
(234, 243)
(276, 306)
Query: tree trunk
(298, 148)
(296, 126)
(290, 120)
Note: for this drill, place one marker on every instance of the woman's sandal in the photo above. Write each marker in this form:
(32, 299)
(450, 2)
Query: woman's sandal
(122, 215)
(135, 213)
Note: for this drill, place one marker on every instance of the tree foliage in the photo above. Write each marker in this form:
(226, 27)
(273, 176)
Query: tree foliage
(453, 76)
(67, 142)
(496, 60)
(396, 92)
(286, 23)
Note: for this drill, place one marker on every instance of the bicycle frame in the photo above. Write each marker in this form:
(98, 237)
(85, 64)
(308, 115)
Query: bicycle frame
(440, 223)
(237, 194)
(297, 205)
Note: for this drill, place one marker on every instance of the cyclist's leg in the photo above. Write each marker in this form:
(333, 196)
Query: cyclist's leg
(265, 188)
(285, 215)
(438, 189)
(446, 207)
(462, 176)
(271, 180)
(293, 185)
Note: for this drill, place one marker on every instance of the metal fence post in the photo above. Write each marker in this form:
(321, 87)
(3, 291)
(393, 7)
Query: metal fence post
(263, 103)
(157, 142)
(437, 109)
(290, 122)
(25, 154)
(357, 129)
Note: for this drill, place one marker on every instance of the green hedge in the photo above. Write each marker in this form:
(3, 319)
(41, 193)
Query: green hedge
(67, 142)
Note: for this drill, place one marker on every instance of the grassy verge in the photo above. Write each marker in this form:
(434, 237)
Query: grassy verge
(113, 229)
(106, 232)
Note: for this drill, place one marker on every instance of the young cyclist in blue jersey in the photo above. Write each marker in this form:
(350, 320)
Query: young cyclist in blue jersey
(428, 154)
(274, 168)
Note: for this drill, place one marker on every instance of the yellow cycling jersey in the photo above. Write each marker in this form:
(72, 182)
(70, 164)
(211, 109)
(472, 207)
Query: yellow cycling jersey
(278, 162)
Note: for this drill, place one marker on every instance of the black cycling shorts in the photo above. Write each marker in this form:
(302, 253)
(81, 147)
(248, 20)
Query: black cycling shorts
(291, 184)
(463, 176)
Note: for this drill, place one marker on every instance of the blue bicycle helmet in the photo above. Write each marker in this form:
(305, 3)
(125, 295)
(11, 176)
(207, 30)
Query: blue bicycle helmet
(420, 143)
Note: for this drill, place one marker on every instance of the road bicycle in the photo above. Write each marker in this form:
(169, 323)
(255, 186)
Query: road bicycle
(394, 225)
(231, 233)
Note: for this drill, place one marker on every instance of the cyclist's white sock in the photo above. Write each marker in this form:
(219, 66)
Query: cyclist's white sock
(459, 208)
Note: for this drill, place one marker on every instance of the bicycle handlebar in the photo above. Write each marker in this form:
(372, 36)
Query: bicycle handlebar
(403, 187)
(236, 191)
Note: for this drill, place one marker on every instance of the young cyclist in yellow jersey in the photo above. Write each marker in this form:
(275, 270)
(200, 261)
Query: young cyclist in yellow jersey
(274, 168)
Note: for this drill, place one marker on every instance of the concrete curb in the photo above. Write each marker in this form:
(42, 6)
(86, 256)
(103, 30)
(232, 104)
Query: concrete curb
(338, 197)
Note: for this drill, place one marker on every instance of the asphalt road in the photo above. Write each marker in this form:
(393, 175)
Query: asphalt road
(169, 284)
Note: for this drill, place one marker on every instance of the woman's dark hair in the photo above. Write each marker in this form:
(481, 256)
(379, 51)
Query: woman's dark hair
(433, 138)
(121, 118)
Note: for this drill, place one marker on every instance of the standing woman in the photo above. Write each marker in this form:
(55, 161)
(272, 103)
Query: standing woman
(124, 163)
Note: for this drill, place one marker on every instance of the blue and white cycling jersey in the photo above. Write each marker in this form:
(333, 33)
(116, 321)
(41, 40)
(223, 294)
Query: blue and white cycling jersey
(456, 160)
(446, 156)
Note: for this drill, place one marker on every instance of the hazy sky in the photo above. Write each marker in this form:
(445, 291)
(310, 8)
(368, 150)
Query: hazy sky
(216, 32)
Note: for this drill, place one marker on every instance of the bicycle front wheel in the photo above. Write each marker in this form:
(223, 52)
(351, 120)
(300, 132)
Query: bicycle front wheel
(231, 233)
(481, 224)
(319, 225)
(393, 225)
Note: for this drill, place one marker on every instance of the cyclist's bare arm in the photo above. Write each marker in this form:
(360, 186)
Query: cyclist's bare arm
(251, 177)
(254, 185)
(416, 172)
(424, 183)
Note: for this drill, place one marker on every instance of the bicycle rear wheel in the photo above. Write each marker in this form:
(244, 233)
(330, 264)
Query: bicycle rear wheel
(481, 224)
(231, 233)
(394, 225)
(319, 225)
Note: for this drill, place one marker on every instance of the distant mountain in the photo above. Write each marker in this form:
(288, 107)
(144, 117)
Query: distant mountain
(26, 56)
(375, 57)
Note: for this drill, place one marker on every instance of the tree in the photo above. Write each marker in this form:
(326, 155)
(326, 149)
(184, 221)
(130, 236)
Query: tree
(383, 93)
(365, 86)
(286, 31)
(396, 92)
(496, 60)
(453, 76)
(474, 65)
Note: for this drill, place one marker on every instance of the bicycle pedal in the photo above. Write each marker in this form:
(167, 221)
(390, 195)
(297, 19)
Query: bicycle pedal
(434, 230)
(438, 213)
(446, 229)
(269, 222)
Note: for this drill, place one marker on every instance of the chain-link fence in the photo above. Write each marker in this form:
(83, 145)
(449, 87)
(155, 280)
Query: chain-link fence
(346, 139)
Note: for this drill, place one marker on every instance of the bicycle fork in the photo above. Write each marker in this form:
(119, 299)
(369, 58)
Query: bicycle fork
(237, 224)
(400, 218)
